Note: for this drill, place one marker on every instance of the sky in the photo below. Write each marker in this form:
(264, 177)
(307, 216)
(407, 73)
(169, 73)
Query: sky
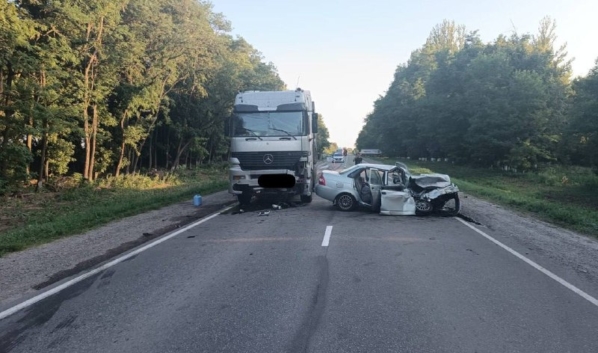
(346, 52)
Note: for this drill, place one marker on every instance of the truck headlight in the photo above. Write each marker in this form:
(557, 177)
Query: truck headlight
(238, 177)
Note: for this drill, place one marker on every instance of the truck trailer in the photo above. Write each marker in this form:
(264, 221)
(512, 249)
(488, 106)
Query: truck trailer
(273, 133)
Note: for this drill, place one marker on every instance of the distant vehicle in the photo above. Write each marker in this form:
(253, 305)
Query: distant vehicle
(372, 152)
(338, 157)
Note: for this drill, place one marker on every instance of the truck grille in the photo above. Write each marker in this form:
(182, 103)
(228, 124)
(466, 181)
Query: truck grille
(280, 160)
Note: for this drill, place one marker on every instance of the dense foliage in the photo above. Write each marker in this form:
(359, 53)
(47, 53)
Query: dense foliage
(107, 87)
(509, 103)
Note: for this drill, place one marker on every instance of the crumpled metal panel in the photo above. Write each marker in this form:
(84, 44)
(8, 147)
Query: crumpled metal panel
(439, 192)
(432, 180)
(397, 203)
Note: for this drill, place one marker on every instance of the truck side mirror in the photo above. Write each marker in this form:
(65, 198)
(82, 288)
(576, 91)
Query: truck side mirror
(314, 123)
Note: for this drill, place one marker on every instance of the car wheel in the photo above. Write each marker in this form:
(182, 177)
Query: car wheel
(423, 208)
(346, 202)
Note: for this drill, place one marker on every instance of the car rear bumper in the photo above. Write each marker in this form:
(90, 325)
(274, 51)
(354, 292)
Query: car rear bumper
(326, 192)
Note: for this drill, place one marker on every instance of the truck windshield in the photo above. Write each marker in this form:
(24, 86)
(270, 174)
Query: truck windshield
(269, 124)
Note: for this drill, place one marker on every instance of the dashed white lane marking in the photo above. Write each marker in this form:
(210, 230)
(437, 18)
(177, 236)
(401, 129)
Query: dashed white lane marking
(568, 285)
(80, 278)
(327, 236)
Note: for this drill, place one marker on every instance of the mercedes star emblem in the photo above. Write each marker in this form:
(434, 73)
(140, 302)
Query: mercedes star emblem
(268, 158)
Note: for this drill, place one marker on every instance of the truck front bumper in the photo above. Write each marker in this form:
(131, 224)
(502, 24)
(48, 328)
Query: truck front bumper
(240, 180)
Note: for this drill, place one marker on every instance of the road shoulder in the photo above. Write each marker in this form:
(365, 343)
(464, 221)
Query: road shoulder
(26, 272)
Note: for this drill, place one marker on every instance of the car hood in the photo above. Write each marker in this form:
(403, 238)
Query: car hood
(431, 180)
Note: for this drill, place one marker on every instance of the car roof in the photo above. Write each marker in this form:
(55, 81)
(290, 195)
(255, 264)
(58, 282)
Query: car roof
(384, 167)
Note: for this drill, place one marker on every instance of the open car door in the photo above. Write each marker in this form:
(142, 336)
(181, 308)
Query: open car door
(376, 180)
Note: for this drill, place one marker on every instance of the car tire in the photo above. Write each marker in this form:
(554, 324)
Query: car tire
(423, 208)
(346, 202)
(306, 198)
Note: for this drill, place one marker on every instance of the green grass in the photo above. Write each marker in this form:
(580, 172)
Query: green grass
(565, 196)
(40, 218)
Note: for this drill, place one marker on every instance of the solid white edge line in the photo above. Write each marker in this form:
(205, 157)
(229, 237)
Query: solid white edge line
(8, 312)
(568, 285)
(327, 236)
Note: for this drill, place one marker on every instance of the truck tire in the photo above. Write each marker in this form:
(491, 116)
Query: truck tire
(306, 198)
(244, 198)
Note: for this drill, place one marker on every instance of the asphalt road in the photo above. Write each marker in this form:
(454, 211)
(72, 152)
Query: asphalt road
(277, 283)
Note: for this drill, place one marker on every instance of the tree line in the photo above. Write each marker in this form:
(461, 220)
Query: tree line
(508, 103)
(117, 86)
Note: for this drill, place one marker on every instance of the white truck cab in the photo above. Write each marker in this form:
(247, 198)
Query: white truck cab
(273, 132)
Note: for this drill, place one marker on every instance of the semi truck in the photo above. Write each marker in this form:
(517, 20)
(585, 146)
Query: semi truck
(273, 133)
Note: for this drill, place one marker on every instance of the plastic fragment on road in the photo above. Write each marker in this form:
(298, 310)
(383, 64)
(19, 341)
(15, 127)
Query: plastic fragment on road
(264, 213)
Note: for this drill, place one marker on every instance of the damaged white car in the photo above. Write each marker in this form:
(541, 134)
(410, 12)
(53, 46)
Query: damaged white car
(389, 190)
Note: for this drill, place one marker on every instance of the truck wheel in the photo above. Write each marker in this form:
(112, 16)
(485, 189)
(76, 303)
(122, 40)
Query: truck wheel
(306, 198)
(244, 198)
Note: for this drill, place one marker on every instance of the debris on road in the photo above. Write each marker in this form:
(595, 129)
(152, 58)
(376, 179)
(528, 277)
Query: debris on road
(264, 213)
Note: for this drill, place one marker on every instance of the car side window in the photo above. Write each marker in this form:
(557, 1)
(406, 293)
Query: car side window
(375, 177)
(355, 173)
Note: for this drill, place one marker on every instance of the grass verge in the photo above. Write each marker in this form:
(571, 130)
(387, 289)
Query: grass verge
(39, 218)
(564, 196)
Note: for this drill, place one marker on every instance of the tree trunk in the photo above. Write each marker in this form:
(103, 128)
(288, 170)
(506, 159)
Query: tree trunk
(149, 155)
(86, 104)
(42, 165)
(156, 157)
(87, 143)
(29, 140)
(89, 80)
(129, 156)
(120, 159)
(180, 151)
(94, 135)
(136, 157)
(167, 149)
(122, 145)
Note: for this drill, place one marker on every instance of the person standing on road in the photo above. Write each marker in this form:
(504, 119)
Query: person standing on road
(358, 158)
